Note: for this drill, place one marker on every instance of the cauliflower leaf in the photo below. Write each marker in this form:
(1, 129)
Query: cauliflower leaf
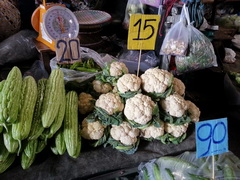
(106, 119)
(121, 147)
(170, 139)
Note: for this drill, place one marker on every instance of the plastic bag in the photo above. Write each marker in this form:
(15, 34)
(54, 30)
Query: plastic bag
(130, 58)
(78, 76)
(229, 56)
(37, 70)
(18, 47)
(176, 39)
(133, 7)
(187, 166)
(201, 53)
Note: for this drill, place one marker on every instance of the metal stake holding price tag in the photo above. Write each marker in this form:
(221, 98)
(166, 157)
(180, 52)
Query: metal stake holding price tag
(211, 139)
(68, 50)
(142, 33)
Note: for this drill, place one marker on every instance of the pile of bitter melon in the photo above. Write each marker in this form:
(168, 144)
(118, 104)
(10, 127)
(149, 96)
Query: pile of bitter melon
(33, 113)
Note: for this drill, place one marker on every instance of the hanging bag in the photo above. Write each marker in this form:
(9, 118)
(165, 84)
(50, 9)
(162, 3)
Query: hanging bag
(201, 52)
(176, 40)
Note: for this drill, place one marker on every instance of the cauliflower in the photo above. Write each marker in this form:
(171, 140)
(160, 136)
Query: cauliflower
(152, 131)
(193, 111)
(128, 82)
(124, 133)
(176, 130)
(156, 80)
(139, 108)
(175, 105)
(85, 103)
(118, 69)
(179, 86)
(110, 102)
(101, 87)
(92, 130)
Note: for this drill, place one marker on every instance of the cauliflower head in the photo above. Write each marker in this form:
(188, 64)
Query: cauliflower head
(118, 69)
(178, 86)
(85, 103)
(156, 80)
(193, 111)
(152, 131)
(128, 82)
(175, 105)
(110, 102)
(92, 130)
(176, 130)
(101, 87)
(139, 108)
(124, 133)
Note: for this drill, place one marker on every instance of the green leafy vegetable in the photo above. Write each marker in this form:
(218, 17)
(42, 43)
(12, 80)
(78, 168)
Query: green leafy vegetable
(121, 147)
(106, 119)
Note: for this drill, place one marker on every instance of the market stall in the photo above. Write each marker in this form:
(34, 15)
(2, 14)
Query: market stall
(79, 113)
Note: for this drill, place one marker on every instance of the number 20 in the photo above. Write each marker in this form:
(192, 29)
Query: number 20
(211, 137)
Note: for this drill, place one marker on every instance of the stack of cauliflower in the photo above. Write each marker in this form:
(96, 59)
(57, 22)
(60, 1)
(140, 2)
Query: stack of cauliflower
(129, 108)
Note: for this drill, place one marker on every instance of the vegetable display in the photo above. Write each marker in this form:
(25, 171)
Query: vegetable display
(45, 115)
(118, 109)
(149, 107)
(187, 166)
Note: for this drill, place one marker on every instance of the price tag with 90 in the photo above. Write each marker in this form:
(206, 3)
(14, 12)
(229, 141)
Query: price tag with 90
(211, 137)
(142, 31)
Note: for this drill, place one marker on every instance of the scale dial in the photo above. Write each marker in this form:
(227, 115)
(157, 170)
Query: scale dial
(60, 22)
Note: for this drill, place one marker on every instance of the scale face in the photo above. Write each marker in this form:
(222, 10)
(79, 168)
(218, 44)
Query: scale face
(60, 22)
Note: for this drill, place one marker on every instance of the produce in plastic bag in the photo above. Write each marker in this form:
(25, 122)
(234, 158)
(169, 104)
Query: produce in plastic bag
(201, 53)
(187, 166)
(133, 7)
(79, 76)
(176, 40)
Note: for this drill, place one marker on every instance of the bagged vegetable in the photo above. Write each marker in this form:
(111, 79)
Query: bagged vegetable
(187, 166)
(176, 40)
(80, 76)
(133, 7)
(201, 53)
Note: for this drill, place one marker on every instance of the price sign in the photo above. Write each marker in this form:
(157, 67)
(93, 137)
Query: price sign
(68, 50)
(154, 3)
(143, 31)
(211, 137)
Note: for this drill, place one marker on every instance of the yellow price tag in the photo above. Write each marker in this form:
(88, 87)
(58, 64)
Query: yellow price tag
(143, 31)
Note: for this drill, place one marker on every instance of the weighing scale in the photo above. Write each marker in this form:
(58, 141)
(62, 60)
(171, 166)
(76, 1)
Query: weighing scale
(54, 21)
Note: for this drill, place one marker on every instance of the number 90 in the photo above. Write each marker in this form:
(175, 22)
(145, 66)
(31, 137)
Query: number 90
(212, 135)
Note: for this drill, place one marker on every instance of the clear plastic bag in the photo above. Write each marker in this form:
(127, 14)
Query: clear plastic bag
(78, 76)
(201, 53)
(133, 7)
(176, 40)
(187, 166)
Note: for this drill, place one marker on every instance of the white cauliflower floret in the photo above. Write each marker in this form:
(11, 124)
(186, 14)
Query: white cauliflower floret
(92, 130)
(85, 103)
(175, 105)
(153, 131)
(101, 87)
(118, 69)
(139, 109)
(110, 102)
(156, 80)
(194, 111)
(179, 86)
(128, 82)
(124, 133)
(176, 130)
